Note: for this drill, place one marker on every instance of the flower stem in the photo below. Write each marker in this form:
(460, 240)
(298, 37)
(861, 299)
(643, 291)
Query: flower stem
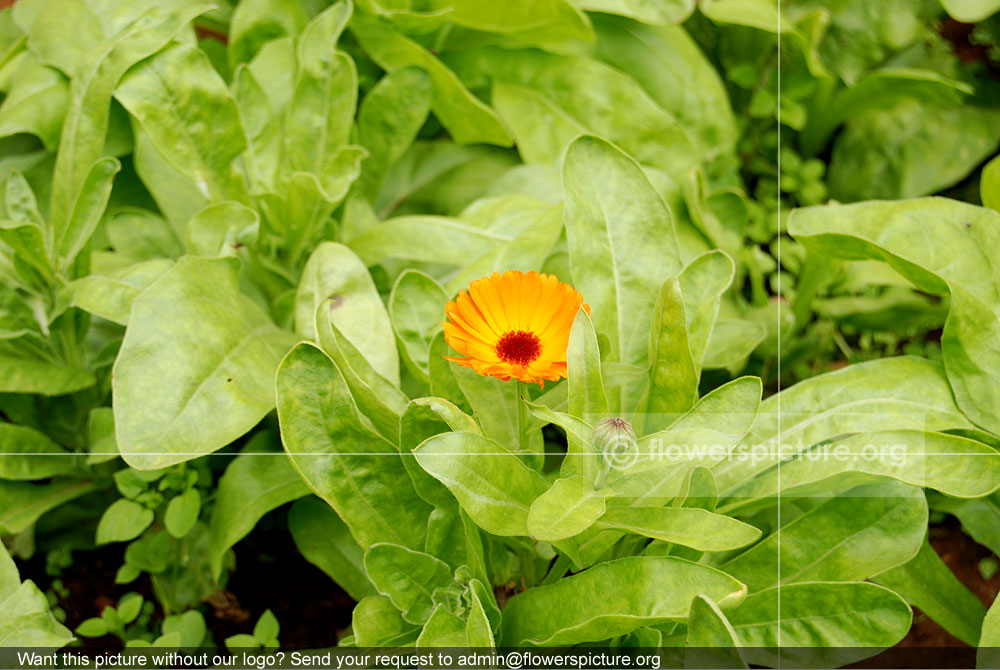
(522, 416)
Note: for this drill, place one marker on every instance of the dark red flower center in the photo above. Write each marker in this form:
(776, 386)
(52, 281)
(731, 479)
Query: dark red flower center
(519, 347)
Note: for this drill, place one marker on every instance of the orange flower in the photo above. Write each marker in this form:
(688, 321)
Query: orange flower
(514, 325)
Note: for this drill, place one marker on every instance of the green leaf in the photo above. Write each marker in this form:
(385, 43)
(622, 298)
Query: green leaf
(416, 309)
(182, 512)
(971, 11)
(912, 149)
(613, 598)
(129, 606)
(702, 283)
(190, 626)
(465, 117)
(980, 517)
(377, 622)
(319, 115)
(585, 395)
(334, 277)
(191, 119)
(218, 229)
(888, 231)
(894, 393)
(110, 295)
(407, 577)
(18, 375)
(656, 12)
(358, 473)
(478, 629)
(836, 623)
(325, 541)
(442, 629)
(617, 260)
(928, 583)
(388, 121)
(688, 526)
(257, 481)
(122, 521)
(850, 537)
(431, 239)
(671, 68)
(196, 366)
(22, 503)
(93, 627)
(711, 639)
(256, 22)
(569, 507)
(87, 210)
(989, 185)
(989, 641)
(547, 20)
(673, 375)
(266, 627)
(491, 483)
(35, 103)
(28, 454)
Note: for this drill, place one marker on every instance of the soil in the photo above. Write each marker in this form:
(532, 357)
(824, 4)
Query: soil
(312, 611)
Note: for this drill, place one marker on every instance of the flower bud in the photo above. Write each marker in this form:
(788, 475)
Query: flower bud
(615, 439)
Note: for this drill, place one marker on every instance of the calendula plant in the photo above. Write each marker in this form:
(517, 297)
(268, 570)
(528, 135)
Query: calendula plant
(496, 310)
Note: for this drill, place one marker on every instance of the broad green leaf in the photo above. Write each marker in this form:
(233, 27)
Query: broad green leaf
(110, 296)
(878, 90)
(971, 11)
(26, 621)
(336, 278)
(953, 465)
(671, 68)
(416, 309)
(182, 512)
(585, 396)
(989, 185)
(388, 121)
(408, 578)
(96, 62)
(442, 629)
(702, 283)
(190, 626)
(260, 123)
(319, 116)
(493, 486)
(196, 366)
(220, 228)
(525, 20)
(257, 481)
(35, 102)
(830, 624)
(424, 418)
(478, 629)
(494, 403)
(141, 235)
(601, 99)
(760, 14)
(358, 473)
(18, 375)
(673, 375)
(256, 22)
(987, 655)
(377, 622)
(928, 583)
(10, 580)
(325, 541)
(541, 129)
(190, 118)
(611, 599)
(86, 211)
(622, 247)
(22, 503)
(888, 231)
(895, 393)
(431, 239)
(122, 521)
(731, 341)
(28, 454)
(711, 639)
(569, 507)
(176, 195)
(687, 526)
(846, 538)
(377, 398)
(656, 12)
(466, 118)
(910, 150)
